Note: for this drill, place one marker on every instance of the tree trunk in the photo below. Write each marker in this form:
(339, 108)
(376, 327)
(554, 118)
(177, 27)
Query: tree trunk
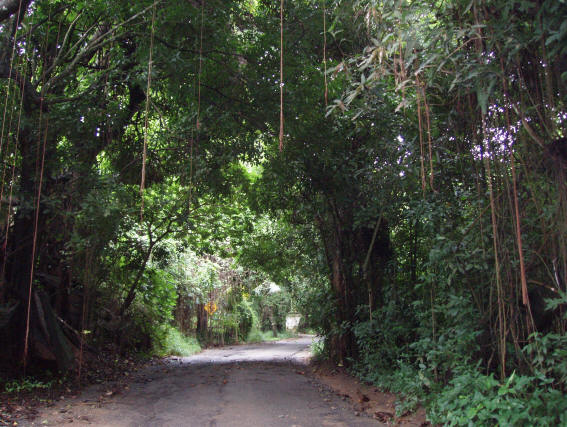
(202, 320)
(46, 338)
(58, 342)
(273, 322)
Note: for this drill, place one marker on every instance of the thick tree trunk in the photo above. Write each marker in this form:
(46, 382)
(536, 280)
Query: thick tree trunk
(46, 339)
(51, 330)
(19, 254)
(341, 341)
(356, 259)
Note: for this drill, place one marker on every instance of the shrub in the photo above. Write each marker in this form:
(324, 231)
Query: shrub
(473, 398)
(172, 342)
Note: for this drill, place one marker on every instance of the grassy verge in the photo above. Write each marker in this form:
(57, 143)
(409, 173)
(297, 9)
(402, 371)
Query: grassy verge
(174, 343)
(256, 335)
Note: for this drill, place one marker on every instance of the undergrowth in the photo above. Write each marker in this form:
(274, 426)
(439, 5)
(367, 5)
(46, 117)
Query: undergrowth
(257, 335)
(26, 384)
(447, 376)
(173, 343)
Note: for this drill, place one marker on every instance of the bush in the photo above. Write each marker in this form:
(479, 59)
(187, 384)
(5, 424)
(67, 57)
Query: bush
(255, 335)
(171, 342)
(379, 346)
(319, 349)
(25, 384)
(473, 398)
(247, 318)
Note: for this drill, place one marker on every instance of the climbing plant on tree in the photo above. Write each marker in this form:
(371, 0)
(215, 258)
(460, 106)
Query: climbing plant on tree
(420, 186)
(81, 70)
(482, 88)
(62, 63)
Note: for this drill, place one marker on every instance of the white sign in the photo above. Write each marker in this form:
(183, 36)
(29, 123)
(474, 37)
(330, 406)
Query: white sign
(292, 321)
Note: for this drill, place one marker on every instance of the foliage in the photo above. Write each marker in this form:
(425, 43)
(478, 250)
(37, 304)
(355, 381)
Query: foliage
(318, 350)
(467, 199)
(256, 336)
(173, 343)
(25, 384)
(547, 358)
(249, 323)
(476, 399)
(416, 215)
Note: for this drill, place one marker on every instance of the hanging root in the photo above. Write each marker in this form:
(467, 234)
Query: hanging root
(325, 53)
(281, 76)
(148, 87)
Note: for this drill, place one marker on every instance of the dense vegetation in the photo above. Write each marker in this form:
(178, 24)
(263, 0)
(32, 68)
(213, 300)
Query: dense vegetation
(416, 213)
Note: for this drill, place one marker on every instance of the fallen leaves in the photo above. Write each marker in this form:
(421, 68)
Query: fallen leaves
(383, 416)
(11, 412)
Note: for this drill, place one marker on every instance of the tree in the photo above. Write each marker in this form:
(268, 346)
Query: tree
(81, 75)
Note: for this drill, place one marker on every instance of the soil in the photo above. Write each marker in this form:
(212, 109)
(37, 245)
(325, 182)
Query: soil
(108, 367)
(365, 398)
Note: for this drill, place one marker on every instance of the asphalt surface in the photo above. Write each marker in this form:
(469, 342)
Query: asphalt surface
(242, 386)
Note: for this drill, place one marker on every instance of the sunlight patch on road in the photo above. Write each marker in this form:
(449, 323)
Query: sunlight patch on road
(296, 350)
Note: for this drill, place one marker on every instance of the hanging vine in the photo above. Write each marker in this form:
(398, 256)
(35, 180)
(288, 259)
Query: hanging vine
(281, 75)
(325, 52)
(146, 113)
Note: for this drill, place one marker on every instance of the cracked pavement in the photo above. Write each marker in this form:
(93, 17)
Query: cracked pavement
(243, 385)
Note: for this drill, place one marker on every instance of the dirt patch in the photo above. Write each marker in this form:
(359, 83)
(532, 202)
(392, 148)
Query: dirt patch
(365, 398)
(110, 370)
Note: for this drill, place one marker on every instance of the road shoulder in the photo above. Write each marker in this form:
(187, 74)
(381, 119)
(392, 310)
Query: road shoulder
(366, 399)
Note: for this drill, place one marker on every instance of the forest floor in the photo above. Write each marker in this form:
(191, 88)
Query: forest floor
(271, 384)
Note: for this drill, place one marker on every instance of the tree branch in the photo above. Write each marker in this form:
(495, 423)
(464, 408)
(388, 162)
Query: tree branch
(100, 39)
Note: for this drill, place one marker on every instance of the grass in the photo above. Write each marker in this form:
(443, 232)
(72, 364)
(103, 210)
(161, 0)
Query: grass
(256, 335)
(174, 343)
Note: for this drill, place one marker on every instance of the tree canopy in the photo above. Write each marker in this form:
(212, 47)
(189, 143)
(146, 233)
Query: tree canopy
(416, 213)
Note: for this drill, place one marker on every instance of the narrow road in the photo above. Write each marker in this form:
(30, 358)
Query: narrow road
(241, 386)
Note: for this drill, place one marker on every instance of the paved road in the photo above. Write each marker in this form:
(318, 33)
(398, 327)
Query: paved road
(241, 386)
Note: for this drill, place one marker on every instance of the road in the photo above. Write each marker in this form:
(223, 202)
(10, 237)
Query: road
(241, 386)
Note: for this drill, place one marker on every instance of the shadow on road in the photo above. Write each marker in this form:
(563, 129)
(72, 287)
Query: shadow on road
(237, 386)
